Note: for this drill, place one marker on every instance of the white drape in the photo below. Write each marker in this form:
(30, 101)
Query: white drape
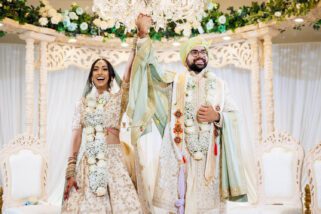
(297, 88)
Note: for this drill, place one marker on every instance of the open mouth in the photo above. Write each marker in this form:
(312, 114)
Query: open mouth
(100, 79)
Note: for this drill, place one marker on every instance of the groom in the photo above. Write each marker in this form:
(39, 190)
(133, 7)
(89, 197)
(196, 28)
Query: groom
(199, 163)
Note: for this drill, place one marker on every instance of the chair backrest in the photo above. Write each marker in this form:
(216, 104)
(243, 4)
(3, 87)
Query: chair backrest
(279, 166)
(313, 165)
(23, 165)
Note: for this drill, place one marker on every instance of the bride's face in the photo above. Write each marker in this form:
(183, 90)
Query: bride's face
(100, 75)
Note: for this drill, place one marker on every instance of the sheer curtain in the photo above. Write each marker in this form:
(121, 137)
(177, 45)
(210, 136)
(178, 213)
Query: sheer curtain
(297, 88)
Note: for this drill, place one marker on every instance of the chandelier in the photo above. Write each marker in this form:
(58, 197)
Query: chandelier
(161, 11)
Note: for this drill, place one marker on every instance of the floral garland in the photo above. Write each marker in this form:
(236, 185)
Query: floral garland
(76, 20)
(95, 141)
(198, 135)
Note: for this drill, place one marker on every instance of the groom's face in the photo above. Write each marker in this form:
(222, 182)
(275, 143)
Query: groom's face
(197, 59)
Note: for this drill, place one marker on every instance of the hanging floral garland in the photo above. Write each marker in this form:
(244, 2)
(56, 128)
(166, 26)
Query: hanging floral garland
(76, 20)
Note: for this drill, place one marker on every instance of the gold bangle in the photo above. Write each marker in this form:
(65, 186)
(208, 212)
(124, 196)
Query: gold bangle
(71, 167)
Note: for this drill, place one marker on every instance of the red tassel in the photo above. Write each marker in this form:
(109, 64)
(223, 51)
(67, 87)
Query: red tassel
(215, 149)
(184, 159)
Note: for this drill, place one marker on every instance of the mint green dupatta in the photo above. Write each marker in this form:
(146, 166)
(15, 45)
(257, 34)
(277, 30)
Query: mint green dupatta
(233, 184)
(146, 100)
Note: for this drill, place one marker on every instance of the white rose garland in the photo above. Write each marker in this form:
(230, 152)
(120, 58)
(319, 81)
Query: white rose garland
(96, 144)
(197, 136)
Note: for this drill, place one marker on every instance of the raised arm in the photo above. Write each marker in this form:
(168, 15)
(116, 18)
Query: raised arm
(127, 73)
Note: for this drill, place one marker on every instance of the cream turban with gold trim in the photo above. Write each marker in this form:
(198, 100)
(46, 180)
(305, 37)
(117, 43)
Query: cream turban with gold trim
(190, 44)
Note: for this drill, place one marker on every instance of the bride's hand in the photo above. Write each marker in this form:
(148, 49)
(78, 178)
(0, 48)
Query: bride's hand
(71, 182)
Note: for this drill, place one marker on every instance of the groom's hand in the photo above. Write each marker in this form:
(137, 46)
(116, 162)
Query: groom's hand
(143, 23)
(207, 114)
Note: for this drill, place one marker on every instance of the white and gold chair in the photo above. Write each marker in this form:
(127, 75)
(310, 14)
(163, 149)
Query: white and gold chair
(313, 166)
(23, 165)
(279, 175)
(279, 168)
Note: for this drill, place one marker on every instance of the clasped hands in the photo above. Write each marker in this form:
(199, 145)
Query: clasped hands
(143, 23)
(206, 113)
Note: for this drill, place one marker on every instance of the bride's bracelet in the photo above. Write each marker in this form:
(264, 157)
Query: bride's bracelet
(71, 167)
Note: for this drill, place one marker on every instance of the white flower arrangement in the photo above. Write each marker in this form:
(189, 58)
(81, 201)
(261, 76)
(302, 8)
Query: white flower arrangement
(278, 14)
(222, 19)
(200, 30)
(90, 130)
(178, 29)
(210, 25)
(101, 156)
(43, 11)
(97, 22)
(83, 26)
(88, 109)
(210, 6)
(92, 168)
(52, 12)
(199, 17)
(204, 127)
(100, 136)
(73, 16)
(215, 6)
(189, 122)
(96, 142)
(103, 25)
(102, 163)
(43, 21)
(99, 128)
(117, 25)
(72, 26)
(187, 32)
(65, 13)
(91, 103)
(101, 191)
(188, 97)
(198, 135)
(79, 11)
(190, 129)
(91, 161)
(56, 19)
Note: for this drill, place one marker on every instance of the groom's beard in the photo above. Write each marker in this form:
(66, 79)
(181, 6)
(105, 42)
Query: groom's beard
(197, 68)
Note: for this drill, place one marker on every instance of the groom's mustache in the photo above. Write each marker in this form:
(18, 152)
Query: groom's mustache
(195, 60)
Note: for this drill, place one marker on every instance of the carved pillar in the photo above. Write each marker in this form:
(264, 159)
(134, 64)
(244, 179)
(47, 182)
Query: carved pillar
(29, 81)
(256, 93)
(268, 84)
(43, 92)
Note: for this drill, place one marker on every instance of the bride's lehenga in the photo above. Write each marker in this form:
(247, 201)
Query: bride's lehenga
(121, 197)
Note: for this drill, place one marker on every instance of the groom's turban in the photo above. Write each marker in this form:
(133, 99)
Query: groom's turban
(190, 44)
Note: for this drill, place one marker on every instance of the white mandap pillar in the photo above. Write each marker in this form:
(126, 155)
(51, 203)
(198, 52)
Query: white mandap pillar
(256, 90)
(29, 81)
(268, 84)
(30, 38)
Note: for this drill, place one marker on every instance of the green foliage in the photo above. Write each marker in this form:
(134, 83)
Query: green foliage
(213, 20)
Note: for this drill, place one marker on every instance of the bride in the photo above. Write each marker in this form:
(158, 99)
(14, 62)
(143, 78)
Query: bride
(99, 181)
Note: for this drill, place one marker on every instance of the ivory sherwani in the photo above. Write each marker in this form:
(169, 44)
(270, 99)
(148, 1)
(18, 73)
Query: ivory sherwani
(199, 163)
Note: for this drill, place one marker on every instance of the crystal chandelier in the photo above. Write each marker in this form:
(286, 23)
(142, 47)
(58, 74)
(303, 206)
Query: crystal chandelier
(161, 11)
